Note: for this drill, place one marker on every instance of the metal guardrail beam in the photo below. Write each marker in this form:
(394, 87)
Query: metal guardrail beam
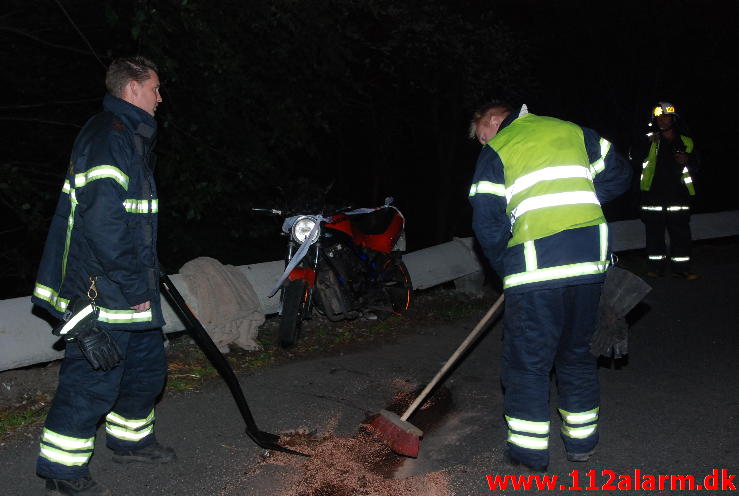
(25, 339)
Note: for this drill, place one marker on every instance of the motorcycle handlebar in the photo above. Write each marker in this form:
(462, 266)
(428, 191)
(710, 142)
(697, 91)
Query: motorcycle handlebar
(268, 210)
(285, 213)
(329, 212)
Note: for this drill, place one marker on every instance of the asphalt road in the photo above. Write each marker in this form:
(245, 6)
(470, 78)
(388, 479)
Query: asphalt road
(671, 408)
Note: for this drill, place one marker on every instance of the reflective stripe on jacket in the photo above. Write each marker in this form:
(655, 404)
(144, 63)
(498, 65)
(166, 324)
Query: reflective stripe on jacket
(650, 165)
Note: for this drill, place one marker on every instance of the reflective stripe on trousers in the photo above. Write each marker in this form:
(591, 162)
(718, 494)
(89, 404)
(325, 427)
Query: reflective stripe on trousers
(528, 434)
(579, 425)
(65, 450)
(132, 430)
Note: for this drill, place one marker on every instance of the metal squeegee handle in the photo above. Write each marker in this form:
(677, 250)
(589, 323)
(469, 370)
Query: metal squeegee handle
(263, 439)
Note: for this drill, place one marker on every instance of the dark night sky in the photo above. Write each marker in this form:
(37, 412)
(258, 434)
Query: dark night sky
(677, 50)
(638, 53)
(605, 64)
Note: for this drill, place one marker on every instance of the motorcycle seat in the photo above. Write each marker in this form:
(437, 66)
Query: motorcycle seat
(376, 222)
(378, 230)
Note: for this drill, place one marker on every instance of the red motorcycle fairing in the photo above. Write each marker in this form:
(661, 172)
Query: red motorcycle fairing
(341, 222)
(306, 273)
(377, 230)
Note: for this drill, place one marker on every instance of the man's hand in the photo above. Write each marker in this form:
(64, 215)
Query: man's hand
(682, 158)
(141, 307)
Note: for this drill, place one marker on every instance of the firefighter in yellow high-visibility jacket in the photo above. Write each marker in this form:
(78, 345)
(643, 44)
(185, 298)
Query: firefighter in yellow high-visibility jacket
(536, 198)
(666, 192)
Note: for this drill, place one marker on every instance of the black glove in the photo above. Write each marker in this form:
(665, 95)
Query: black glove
(622, 291)
(99, 348)
(97, 345)
(611, 333)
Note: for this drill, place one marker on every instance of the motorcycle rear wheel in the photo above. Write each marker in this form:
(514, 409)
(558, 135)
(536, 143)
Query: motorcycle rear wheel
(396, 285)
(294, 303)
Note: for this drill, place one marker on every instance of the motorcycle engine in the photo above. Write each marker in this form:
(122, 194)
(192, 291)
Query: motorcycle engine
(336, 283)
(349, 268)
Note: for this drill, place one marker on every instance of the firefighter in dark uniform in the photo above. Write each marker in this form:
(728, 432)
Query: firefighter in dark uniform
(666, 190)
(536, 196)
(101, 247)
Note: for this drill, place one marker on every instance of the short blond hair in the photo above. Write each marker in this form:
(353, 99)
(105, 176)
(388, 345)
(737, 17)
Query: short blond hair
(496, 107)
(123, 70)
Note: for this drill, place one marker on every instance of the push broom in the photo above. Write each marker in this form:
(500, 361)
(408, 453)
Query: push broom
(400, 435)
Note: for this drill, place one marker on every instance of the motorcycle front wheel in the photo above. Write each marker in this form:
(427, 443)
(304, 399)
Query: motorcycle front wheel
(294, 307)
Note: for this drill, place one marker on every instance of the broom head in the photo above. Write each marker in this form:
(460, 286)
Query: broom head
(401, 436)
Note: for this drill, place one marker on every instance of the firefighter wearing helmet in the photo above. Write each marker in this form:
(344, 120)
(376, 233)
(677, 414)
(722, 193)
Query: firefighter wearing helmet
(666, 192)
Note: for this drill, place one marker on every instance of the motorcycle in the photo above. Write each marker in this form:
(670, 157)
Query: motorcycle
(343, 265)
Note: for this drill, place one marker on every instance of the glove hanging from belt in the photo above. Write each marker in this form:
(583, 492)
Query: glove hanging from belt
(80, 326)
(622, 291)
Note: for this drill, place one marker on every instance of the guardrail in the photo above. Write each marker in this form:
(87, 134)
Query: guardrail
(25, 339)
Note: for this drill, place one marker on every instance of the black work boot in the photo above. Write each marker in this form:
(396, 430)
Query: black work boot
(154, 454)
(515, 463)
(580, 457)
(83, 486)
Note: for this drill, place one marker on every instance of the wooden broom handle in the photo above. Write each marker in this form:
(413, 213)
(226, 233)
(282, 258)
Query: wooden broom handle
(462, 347)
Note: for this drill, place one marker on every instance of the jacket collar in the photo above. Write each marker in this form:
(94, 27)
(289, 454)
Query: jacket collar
(510, 118)
(136, 119)
(513, 116)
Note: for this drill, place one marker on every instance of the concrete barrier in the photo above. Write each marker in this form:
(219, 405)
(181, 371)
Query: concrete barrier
(25, 339)
(629, 234)
(442, 263)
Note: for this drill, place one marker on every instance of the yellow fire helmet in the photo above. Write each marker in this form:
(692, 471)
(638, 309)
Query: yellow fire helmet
(664, 108)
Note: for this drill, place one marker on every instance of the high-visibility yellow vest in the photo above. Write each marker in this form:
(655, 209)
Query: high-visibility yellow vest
(650, 165)
(548, 177)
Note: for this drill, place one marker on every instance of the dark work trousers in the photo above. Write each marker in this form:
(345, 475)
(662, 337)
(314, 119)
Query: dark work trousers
(125, 394)
(676, 220)
(545, 329)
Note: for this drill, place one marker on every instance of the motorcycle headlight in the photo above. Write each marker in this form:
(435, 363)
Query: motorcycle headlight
(302, 228)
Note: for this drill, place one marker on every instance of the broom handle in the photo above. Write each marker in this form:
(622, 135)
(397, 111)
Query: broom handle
(462, 347)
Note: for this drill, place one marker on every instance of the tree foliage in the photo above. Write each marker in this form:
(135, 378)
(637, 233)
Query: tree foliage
(266, 103)
(53, 83)
(373, 96)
